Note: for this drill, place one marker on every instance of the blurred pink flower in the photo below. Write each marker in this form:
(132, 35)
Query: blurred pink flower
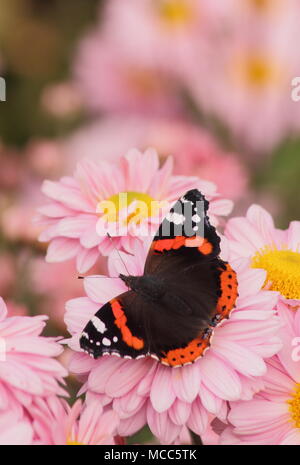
(245, 77)
(194, 150)
(56, 423)
(111, 79)
(8, 272)
(273, 415)
(16, 309)
(56, 283)
(17, 214)
(61, 99)
(164, 33)
(17, 225)
(45, 157)
(144, 391)
(77, 223)
(12, 171)
(27, 365)
(276, 251)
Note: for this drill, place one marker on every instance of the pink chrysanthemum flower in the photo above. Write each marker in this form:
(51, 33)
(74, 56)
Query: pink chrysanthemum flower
(106, 198)
(56, 423)
(110, 78)
(276, 251)
(273, 415)
(168, 399)
(27, 366)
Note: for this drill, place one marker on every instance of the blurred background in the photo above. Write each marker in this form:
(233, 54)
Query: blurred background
(208, 81)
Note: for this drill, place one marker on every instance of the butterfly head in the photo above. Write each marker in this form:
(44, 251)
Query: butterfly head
(148, 286)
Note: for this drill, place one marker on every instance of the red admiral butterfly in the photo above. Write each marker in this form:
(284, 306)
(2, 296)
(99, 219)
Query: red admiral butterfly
(186, 290)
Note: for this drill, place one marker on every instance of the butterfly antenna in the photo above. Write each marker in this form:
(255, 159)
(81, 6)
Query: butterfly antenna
(122, 261)
(97, 277)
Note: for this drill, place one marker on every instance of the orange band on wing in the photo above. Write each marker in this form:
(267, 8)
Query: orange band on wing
(229, 291)
(188, 354)
(120, 322)
(203, 245)
(168, 244)
(206, 247)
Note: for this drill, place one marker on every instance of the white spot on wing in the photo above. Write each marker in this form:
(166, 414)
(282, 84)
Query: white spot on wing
(99, 325)
(196, 218)
(106, 341)
(176, 218)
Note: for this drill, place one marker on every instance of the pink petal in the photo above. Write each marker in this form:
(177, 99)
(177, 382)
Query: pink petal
(19, 433)
(86, 259)
(55, 210)
(62, 249)
(251, 282)
(222, 207)
(292, 438)
(3, 309)
(78, 312)
(102, 289)
(294, 236)
(21, 377)
(186, 382)
(81, 363)
(69, 196)
(219, 378)
(236, 354)
(162, 426)
(210, 402)
(242, 231)
(100, 375)
(180, 412)
(128, 405)
(75, 227)
(159, 185)
(90, 238)
(131, 425)
(198, 419)
(257, 415)
(162, 395)
(263, 221)
(127, 376)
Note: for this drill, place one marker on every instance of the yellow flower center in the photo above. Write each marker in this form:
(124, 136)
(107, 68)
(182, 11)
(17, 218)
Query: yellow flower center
(255, 71)
(175, 12)
(283, 268)
(258, 71)
(74, 443)
(261, 4)
(294, 406)
(144, 207)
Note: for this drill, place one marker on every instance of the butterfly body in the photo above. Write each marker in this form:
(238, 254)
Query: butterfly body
(170, 312)
(149, 286)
